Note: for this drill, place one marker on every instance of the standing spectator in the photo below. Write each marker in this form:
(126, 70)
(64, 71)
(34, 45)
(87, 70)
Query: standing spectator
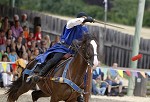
(113, 79)
(38, 35)
(24, 21)
(6, 72)
(20, 48)
(16, 29)
(2, 40)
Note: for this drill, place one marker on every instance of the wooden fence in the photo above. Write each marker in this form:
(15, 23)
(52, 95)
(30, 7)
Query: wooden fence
(114, 46)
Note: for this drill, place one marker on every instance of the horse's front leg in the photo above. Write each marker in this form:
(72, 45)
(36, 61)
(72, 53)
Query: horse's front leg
(37, 94)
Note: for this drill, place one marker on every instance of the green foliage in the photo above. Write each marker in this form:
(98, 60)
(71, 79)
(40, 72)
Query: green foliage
(122, 11)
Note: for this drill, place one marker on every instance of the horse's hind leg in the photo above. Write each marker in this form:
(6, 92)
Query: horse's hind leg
(37, 94)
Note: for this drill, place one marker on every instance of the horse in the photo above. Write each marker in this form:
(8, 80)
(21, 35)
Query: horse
(58, 90)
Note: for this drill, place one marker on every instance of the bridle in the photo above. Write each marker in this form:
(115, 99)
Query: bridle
(76, 47)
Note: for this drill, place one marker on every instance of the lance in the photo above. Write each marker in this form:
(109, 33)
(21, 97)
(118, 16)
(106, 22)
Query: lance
(107, 24)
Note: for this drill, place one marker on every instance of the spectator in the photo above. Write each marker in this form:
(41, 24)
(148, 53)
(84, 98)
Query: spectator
(25, 32)
(98, 85)
(24, 21)
(16, 29)
(33, 46)
(48, 41)
(20, 48)
(13, 56)
(9, 35)
(57, 39)
(38, 35)
(24, 41)
(6, 71)
(8, 46)
(34, 54)
(16, 18)
(2, 40)
(43, 48)
(29, 40)
(5, 24)
(113, 79)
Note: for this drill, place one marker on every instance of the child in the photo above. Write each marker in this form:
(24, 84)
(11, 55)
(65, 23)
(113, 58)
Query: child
(6, 72)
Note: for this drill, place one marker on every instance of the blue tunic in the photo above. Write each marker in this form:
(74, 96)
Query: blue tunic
(67, 37)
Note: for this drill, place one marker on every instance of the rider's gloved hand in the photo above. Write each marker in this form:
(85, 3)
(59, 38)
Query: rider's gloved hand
(89, 19)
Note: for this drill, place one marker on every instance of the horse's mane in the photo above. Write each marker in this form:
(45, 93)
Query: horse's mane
(87, 37)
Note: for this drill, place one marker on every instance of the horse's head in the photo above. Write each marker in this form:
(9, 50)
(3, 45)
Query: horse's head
(88, 50)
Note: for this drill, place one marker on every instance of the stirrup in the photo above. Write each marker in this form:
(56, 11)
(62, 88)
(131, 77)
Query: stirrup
(29, 77)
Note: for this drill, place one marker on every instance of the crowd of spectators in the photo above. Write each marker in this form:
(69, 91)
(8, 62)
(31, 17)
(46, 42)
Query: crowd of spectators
(17, 41)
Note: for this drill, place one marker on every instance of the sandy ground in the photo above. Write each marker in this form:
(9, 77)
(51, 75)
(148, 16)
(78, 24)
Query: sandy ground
(27, 98)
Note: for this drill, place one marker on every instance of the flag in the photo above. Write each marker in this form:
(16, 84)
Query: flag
(135, 74)
(120, 72)
(143, 74)
(148, 73)
(128, 72)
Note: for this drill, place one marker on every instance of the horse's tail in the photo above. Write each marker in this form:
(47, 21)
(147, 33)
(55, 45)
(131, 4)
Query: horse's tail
(11, 93)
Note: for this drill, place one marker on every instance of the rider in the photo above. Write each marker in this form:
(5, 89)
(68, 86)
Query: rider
(74, 29)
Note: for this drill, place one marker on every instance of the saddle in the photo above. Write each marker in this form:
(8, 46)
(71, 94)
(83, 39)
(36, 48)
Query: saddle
(63, 59)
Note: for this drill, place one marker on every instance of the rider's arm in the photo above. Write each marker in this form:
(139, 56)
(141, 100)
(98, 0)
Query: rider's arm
(74, 22)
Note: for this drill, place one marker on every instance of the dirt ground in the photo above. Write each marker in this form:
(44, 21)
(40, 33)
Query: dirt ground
(27, 98)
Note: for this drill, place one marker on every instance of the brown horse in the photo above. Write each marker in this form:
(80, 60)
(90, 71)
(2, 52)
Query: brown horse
(86, 54)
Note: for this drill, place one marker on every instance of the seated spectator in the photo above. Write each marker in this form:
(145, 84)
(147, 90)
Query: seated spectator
(29, 40)
(57, 39)
(9, 35)
(43, 48)
(16, 29)
(6, 71)
(2, 40)
(38, 34)
(34, 54)
(113, 79)
(20, 48)
(33, 46)
(13, 56)
(5, 24)
(98, 85)
(25, 32)
(48, 41)
(24, 21)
